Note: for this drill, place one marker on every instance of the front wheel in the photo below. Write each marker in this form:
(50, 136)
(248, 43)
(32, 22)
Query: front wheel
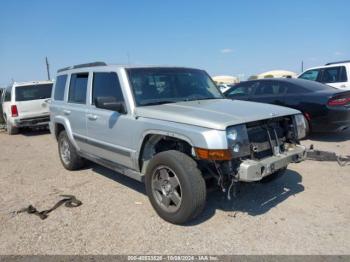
(175, 187)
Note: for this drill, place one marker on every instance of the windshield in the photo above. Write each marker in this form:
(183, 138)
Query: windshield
(33, 92)
(153, 86)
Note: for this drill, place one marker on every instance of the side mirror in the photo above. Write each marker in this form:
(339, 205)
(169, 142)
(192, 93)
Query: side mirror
(110, 103)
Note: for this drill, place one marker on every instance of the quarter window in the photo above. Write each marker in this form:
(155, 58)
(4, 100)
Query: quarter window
(7, 97)
(77, 88)
(59, 87)
(106, 85)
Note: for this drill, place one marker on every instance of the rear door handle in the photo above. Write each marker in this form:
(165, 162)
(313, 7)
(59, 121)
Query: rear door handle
(92, 117)
(66, 112)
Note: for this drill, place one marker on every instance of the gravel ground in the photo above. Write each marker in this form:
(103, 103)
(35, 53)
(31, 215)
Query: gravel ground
(307, 211)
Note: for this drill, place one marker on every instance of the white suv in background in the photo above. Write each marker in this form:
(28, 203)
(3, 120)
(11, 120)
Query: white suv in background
(25, 105)
(336, 74)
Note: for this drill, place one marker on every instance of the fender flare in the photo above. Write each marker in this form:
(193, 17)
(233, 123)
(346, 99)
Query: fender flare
(61, 120)
(162, 133)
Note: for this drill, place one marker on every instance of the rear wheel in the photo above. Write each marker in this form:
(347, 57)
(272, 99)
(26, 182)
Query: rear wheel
(175, 187)
(68, 154)
(11, 130)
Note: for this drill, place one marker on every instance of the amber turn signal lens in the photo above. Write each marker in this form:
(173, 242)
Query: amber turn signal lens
(216, 154)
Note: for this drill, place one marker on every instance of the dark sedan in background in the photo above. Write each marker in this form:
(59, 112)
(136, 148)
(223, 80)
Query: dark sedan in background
(326, 109)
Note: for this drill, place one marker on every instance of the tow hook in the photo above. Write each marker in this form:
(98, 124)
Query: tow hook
(319, 155)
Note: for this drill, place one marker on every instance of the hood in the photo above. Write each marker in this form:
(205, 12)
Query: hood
(214, 114)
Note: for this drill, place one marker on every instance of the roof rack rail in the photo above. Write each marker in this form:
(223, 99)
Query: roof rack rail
(82, 66)
(339, 62)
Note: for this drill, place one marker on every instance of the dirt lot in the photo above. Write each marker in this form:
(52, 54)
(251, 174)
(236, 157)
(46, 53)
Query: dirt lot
(307, 211)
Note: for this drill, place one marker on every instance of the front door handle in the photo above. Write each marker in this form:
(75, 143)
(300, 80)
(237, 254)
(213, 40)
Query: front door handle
(66, 112)
(92, 117)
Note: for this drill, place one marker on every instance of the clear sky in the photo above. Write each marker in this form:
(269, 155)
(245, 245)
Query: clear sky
(223, 37)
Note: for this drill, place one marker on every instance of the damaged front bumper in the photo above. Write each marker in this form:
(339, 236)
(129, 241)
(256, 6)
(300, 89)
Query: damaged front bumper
(255, 170)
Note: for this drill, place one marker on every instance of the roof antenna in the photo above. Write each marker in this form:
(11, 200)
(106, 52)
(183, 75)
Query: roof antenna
(47, 68)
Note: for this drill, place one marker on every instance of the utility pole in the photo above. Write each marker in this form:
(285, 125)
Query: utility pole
(47, 68)
(302, 66)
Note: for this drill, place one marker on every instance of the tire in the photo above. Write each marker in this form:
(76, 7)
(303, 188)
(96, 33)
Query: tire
(274, 176)
(69, 157)
(308, 128)
(190, 188)
(11, 130)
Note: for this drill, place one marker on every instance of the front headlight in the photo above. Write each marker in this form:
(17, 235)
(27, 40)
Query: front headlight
(300, 126)
(237, 140)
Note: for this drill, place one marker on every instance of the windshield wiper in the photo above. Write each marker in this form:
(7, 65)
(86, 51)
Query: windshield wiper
(159, 103)
(205, 98)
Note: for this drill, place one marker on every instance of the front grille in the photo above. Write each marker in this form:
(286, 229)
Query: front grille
(267, 137)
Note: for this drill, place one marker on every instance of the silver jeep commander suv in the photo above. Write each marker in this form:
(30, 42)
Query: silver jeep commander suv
(172, 129)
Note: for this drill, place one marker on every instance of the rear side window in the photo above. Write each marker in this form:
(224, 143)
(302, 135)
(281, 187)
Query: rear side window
(33, 92)
(77, 88)
(294, 89)
(311, 74)
(334, 75)
(269, 88)
(106, 85)
(59, 87)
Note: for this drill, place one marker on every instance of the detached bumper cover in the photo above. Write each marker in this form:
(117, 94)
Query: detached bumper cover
(252, 170)
(33, 121)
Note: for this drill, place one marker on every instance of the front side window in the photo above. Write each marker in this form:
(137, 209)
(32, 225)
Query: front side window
(33, 92)
(170, 85)
(240, 90)
(334, 75)
(77, 88)
(59, 87)
(311, 75)
(106, 85)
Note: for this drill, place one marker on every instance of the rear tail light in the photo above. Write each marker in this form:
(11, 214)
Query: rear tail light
(14, 111)
(339, 101)
(307, 116)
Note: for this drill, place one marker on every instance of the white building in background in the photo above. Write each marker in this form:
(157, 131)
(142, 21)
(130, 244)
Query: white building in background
(277, 73)
(226, 79)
